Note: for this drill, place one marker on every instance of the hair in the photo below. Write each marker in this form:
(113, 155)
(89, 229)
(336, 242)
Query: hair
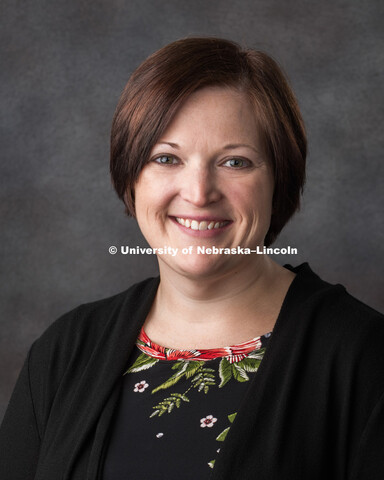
(159, 86)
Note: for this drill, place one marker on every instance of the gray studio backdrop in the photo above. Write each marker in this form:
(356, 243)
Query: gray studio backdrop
(64, 65)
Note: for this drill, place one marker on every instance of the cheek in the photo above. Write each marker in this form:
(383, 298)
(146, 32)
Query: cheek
(152, 196)
(254, 199)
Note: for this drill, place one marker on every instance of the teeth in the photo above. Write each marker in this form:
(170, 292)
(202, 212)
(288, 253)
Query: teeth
(195, 225)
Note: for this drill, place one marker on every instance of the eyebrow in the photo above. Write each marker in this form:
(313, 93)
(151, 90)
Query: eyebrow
(230, 146)
(171, 144)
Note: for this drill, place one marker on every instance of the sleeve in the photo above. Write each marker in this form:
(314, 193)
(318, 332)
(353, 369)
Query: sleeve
(369, 461)
(19, 435)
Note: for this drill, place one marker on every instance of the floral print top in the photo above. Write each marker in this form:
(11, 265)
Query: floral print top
(176, 408)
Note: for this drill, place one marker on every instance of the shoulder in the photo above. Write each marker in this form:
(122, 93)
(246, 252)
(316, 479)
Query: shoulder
(89, 341)
(77, 332)
(355, 331)
(339, 331)
(332, 305)
(331, 323)
(334, 340)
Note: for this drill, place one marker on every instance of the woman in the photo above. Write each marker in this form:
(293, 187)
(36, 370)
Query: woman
(228, 365)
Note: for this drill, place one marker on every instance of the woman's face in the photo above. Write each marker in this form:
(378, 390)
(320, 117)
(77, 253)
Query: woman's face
(207, 184)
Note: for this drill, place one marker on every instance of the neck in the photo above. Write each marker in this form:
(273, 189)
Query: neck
(218, 310)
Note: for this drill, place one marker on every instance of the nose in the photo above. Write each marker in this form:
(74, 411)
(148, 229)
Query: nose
(200, 186)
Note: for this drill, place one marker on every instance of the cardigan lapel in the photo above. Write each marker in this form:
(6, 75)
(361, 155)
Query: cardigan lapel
(97, 397)
(257, 439)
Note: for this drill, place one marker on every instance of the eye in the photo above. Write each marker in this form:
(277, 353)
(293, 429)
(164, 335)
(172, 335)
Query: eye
(165, 160)
(236, 163)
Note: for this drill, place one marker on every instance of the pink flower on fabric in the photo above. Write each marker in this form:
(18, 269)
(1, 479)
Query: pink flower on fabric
(207, 421)
(141, 386)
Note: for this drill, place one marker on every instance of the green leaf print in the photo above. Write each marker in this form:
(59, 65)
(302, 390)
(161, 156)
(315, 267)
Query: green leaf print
(239, 373)
(232, 417)
(249, 364)
(204, 379)
(143, 362)
(257, 354)
(238, 370)
(188, 369)
(228, 370)
(222, 436)
(225, 371)
(167, 405)
(191, 370)
(179, 365)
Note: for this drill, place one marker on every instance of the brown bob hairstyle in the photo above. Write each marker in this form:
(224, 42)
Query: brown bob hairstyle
(159, 86)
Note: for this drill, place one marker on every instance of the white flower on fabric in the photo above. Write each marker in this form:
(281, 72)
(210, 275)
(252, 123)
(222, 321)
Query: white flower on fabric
(207, 421)
(141, 386)
(159, 435)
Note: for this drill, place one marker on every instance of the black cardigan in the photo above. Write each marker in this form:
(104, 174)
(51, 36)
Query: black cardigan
(314, 410)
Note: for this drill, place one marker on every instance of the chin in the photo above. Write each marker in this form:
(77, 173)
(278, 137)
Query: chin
(201, 266)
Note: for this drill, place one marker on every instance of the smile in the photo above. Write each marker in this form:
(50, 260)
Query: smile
(203, 225)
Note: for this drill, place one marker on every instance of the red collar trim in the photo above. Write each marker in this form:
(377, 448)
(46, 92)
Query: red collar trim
(234, 353)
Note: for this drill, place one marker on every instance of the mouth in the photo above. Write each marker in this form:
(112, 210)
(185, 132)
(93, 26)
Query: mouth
(201, 225)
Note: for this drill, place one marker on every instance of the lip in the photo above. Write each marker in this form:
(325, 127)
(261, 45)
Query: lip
(202, 218)
(202, 233)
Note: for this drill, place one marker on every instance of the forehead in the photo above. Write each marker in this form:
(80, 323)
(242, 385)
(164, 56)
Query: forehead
(219, 112)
